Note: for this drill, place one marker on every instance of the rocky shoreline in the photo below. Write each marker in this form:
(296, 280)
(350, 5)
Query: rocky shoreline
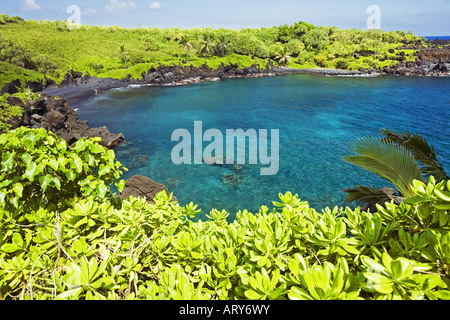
(77, 86)
(431, 61)
(56, 115)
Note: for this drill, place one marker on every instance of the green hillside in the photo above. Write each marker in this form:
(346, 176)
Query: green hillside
(53, 47)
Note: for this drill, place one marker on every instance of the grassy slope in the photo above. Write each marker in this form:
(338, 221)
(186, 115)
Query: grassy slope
(85, 48)
(95, 49)
(9, 73)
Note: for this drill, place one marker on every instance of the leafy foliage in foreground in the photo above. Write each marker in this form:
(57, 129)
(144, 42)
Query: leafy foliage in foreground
(94, 247)
(400, 158)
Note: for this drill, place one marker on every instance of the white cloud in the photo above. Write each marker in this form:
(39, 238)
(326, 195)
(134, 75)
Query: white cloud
(30, 5)
(155, 6)
(89, 11)
(120, 6)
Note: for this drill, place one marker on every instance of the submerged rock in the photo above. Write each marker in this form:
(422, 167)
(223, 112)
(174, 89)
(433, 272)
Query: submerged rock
(232, 180)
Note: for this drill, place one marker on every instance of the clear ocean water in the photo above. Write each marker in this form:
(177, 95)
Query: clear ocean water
(317, 118)
(438, 37)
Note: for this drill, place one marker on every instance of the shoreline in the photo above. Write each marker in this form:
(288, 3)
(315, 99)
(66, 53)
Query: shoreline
(91, 86)
(76, 87)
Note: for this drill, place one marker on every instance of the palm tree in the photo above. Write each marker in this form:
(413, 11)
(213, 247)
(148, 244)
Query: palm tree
(186, 44)
(399, 158)
(222, 45)
(123, 52)
(284, 57)
(206, 45)
(422, 151)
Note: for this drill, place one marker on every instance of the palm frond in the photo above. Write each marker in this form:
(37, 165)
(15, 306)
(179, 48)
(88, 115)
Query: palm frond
(421, 150)
(369, 195)
(387, 160)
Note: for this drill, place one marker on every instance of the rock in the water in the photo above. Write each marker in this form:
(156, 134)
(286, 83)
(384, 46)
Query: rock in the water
(141, 186)
(232, 180)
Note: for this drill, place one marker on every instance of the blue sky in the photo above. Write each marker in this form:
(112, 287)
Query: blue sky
(425, 18)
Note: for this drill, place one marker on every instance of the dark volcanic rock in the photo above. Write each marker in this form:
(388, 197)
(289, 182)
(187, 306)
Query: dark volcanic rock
(11, 87)
(74, 78)
(55, 115)
(140, 186)
(431, 61)
(177, 74)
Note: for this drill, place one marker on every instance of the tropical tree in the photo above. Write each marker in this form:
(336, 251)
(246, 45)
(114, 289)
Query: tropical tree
(222, 45)
(206, 45)
(422, 151)
(400, 158)
(186, 44)
(123, 53)
(283, 57)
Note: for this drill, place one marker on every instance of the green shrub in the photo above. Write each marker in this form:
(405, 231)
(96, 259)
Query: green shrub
(4, 19)
(295, 46)
(41, 171)
(275, 49)
(342, 64)
(96, 247)
(16, 55)
(320, 60)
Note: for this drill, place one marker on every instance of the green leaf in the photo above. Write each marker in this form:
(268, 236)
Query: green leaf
(70, 175)
(442, 294)
(2, 198)
(81, 145)
(53, 163)
(26, 158)
(5, 183)
(57, 183)
(103, 170)
(10, 247)
(296, 293)
(17, 240)
(401, 269)
(101, 190)
(378, 282)
(74, 293)
(96, 148)
(102, 283)
(415, 200)
(442, 206)
(18, 190)
(45, 181)
(373, 264)
(29, 172)
(77, 164)
(8, 161)
(262, 261)
(253, 295)
(443, 195)
(14, 201)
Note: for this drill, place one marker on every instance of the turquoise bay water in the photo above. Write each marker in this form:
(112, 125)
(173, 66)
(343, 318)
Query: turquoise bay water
(317, 118)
